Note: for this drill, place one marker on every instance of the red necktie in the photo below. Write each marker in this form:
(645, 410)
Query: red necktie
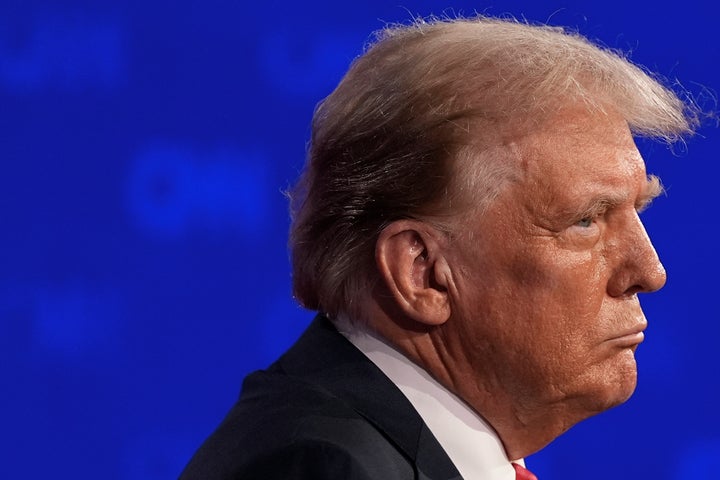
(522, 473)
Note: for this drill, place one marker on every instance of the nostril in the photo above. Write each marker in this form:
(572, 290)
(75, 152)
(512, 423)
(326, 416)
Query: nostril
(637, 277)
(633, 291)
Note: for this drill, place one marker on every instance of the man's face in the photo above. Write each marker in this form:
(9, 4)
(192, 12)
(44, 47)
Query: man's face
(545, 305)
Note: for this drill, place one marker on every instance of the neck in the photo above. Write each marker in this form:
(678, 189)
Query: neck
(523, 425)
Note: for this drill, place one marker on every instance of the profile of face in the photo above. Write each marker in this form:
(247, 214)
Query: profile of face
(544, 304)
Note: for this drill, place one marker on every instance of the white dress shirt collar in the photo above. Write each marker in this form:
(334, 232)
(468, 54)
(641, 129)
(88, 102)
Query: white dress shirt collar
(472, 444)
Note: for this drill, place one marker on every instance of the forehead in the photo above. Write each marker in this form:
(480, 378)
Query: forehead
(577, 151)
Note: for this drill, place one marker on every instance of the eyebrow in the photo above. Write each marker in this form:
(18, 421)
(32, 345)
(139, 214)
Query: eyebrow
(653, 189)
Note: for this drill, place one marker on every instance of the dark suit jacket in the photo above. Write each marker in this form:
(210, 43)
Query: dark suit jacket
(322, 411)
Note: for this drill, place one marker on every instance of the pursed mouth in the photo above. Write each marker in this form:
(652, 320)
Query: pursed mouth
(630, 337)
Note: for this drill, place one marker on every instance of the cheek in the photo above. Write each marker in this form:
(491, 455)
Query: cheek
(539, 296)
(560, 277)
(560, 296)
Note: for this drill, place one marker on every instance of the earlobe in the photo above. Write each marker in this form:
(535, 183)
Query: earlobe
(411, 264)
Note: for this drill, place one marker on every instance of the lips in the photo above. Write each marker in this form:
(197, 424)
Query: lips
(630, 337)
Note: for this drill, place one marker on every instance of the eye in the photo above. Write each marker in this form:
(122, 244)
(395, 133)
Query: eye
(585, 222)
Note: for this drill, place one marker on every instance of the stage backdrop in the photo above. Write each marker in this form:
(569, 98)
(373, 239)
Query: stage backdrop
(145, 147)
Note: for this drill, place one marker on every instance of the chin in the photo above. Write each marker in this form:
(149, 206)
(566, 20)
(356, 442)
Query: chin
(613, 385)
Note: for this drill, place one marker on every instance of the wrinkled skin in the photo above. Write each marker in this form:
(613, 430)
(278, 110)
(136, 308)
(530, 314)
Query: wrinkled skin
(528, 310)
(545, 315)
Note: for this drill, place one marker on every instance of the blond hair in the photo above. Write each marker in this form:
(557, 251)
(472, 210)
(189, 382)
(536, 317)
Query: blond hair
(386, 144)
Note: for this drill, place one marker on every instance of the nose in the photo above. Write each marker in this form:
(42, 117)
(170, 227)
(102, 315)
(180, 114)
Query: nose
(639, 268)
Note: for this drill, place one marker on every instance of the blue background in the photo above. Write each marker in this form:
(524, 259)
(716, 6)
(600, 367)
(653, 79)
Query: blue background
(143, 269)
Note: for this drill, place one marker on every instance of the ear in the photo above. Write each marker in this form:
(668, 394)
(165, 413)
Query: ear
(410, 260)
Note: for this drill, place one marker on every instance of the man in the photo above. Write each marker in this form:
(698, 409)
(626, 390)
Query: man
(467, 226)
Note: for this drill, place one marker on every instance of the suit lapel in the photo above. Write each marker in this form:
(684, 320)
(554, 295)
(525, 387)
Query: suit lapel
(328, 361)
(431, 461)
